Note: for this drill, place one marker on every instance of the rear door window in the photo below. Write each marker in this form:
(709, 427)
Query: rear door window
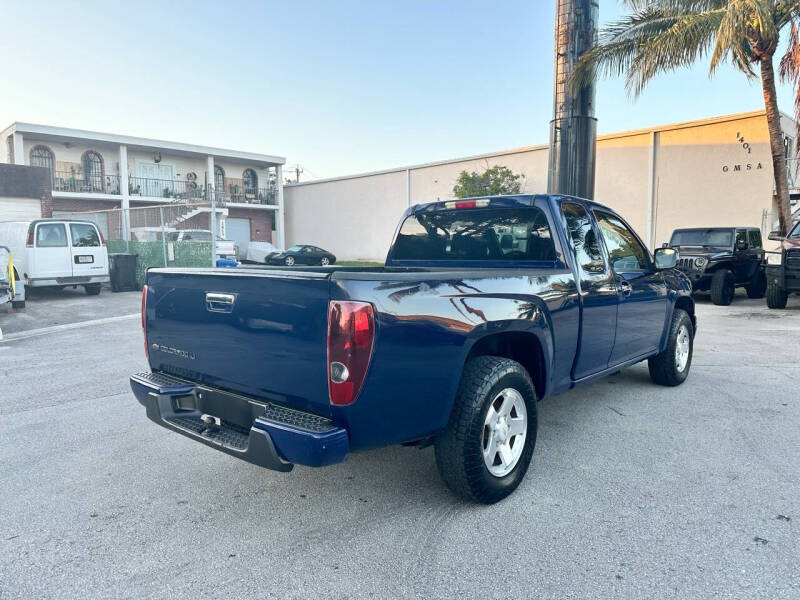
(492, 234)
(754, 236)
(583, 238)
(84, 235)
(51, 235)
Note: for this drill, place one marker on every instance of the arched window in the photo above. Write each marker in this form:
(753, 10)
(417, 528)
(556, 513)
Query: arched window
(219, 179)
(93, 171)
(250, 182)
(42, 156)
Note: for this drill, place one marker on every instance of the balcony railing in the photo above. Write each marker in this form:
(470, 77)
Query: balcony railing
(67, 181)
(169, 189)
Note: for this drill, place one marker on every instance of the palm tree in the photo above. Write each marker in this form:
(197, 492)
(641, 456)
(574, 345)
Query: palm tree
(662, 35)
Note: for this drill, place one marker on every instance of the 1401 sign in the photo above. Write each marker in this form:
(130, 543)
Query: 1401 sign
(746, 166)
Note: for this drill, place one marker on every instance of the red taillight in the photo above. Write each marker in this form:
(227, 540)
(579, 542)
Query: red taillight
(29, 242)
(466, 204)
(351, 332)
(102, 239)
(144, 327)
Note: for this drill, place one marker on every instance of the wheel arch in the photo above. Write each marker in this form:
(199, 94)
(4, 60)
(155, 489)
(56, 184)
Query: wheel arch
(525, 347)
(687, 303)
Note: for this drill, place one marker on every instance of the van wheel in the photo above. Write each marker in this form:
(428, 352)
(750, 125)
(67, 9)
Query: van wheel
(776, 296)
(93, 289)
(722, 287)
(671, 367)
(757, 287)
(487, 447)
(18, 304)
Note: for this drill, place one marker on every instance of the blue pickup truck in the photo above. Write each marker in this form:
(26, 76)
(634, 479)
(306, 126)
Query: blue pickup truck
(484, 307)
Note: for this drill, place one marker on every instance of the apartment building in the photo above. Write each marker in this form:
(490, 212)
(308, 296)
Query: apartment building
(92, 172)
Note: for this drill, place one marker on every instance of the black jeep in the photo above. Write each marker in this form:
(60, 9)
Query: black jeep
(719, 259)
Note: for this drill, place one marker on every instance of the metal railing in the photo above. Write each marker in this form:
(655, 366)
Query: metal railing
(67, 181)
(165, 188)
(169, 189)
(237, 194)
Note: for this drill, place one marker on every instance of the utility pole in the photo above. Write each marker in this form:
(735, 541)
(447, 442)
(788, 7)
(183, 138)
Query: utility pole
(297, 170)
(573, 130)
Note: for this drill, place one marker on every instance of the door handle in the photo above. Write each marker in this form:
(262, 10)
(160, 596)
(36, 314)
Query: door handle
(624, 288)
(221, 303)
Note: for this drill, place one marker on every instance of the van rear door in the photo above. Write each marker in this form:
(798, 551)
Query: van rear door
(51, 257)
(88, 255)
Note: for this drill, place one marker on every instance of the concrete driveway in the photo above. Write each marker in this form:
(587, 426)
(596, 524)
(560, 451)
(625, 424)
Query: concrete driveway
(635, 491)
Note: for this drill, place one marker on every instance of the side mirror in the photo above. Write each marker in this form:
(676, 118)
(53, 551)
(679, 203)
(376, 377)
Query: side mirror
(665, 245)
(741, 245)
(775, 236)
(666, 258)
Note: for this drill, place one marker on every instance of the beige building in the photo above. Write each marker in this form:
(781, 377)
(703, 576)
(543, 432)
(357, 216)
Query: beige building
(711, 172)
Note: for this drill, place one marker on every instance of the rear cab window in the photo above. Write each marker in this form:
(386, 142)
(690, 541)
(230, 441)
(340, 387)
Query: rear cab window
(754, 236)
(484, 235)
(51, 235)
(583, 239)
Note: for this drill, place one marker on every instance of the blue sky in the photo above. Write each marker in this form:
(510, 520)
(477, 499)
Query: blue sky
(339, 87)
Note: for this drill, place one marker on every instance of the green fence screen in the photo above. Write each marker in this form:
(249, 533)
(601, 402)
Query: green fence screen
(151, 254)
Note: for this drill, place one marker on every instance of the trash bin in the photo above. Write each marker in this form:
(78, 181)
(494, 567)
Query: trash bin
(226, 262)
(123, 272)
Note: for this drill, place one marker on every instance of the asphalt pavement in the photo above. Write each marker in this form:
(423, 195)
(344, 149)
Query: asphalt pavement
(635, 490)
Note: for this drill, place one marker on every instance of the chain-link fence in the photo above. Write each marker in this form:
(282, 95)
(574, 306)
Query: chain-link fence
(177, 234)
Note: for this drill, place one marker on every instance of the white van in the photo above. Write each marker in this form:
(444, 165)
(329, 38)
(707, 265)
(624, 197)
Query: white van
(56, 252)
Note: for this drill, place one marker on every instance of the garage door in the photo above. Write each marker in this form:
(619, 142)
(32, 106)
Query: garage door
(238, 230)
(20, 209)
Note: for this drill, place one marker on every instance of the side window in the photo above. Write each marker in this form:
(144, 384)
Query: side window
(51, 235)
(754, 238)
(741, 236)
(583, 238)
(624, 250)
(83, 235)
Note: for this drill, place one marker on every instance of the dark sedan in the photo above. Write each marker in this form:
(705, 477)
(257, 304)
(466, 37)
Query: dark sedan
(302, 255)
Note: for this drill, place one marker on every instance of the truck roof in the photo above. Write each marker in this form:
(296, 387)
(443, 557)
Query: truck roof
(501, 201)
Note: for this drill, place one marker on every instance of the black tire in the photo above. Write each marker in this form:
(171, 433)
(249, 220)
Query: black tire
(664, 369)
(18, 304)
(459, 449)
(777, 297)
(93, 289)
(758, 287)
(722, 287)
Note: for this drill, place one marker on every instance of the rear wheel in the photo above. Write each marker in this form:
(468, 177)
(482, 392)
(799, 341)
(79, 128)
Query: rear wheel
(671, 367)
(18, 304)
(93, 289)
(487, 447)
(776, 296)
(325, 261)
(758, 287)
(722, 287)
(289, 261)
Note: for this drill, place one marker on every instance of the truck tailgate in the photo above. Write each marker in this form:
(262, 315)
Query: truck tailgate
(257, 332)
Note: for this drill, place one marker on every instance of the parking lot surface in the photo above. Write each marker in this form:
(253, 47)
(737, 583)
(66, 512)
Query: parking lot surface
(635, 490)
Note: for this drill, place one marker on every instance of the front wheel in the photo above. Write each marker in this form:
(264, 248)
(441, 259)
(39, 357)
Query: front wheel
(325, 261)
(722, 287)
(671, 367)
(486, 449)
(289, 261)
(776, 296)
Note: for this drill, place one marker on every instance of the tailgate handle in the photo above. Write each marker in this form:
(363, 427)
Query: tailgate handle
(221, 303)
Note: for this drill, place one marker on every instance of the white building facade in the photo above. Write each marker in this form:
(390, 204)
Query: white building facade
(94, 171)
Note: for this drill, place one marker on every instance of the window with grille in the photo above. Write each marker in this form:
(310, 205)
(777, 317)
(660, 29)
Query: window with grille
(250, 182)
(93, 171)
